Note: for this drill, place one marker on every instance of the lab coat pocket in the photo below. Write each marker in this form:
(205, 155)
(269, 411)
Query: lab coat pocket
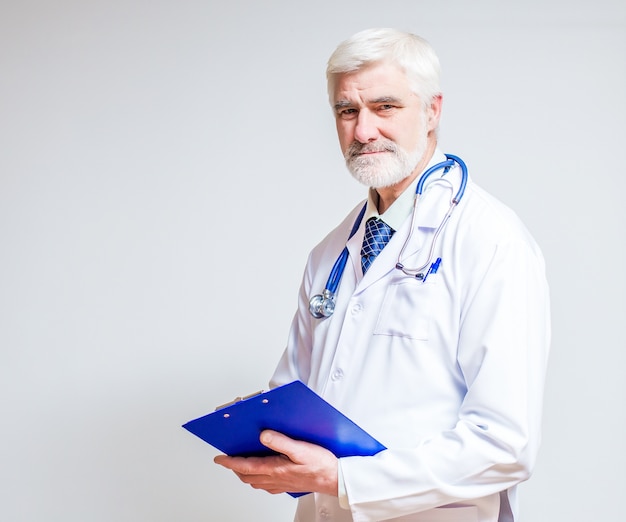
(407, 308)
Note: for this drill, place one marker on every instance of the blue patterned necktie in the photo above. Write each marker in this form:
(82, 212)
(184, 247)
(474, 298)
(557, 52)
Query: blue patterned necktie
(377, 235)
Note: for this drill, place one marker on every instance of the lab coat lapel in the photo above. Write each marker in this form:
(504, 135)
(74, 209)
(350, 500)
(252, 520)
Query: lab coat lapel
(431, 209)
(354, 249)
(386, 260)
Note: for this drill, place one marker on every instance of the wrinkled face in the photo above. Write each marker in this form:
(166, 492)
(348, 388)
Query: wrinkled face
(382, 126)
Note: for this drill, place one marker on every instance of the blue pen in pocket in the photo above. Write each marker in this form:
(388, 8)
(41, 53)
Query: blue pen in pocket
(433, 269)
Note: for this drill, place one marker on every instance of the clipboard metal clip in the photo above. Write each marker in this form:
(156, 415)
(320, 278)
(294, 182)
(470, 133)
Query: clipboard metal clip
(239, 399)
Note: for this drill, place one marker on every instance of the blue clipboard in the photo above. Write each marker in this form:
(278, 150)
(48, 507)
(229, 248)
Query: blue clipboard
(292, 409)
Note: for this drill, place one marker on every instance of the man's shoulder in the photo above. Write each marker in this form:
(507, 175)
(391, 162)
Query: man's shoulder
(484, 215)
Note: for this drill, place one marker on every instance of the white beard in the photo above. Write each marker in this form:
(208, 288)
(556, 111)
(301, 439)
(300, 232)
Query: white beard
(383, 170)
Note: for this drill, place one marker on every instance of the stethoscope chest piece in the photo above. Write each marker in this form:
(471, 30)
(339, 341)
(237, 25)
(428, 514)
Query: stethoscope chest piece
(322, 305)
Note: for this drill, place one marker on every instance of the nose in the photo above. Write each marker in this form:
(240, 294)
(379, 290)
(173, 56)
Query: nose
(366, 130)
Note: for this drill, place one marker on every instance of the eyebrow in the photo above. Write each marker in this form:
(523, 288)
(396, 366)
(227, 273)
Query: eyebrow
(342, 104)
(386, 99)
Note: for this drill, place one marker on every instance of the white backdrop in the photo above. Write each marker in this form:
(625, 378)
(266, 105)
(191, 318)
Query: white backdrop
(147, 148)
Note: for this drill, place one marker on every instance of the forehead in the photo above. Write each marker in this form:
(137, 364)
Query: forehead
(372, 82)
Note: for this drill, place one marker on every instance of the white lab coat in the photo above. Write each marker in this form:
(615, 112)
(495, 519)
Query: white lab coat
(447, 374)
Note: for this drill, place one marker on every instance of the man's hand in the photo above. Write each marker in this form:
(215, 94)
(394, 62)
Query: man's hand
(300, 467)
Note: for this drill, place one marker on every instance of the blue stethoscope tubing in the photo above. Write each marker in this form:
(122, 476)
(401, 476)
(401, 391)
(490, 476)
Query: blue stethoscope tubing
(323, 305)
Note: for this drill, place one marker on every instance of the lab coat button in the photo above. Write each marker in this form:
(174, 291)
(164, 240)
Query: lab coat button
(356, 309)
(337, 375)
(324, 513)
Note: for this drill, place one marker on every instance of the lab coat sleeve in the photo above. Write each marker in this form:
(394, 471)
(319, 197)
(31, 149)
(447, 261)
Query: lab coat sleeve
(502, 353)
(295, 362)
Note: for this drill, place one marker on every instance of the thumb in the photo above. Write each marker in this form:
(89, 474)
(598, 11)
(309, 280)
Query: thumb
(282, 444)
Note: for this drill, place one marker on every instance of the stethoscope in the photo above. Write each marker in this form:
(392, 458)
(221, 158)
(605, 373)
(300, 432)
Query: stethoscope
(323, 305)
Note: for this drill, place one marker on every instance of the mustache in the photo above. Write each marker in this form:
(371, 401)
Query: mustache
(356, 148)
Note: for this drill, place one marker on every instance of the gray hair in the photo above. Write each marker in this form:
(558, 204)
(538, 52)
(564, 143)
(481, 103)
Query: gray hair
(411, 53)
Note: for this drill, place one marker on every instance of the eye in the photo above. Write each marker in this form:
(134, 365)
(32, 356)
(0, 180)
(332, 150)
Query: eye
(348, 113)
(386, 107)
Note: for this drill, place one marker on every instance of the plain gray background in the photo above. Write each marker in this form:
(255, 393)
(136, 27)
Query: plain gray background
(147, 148)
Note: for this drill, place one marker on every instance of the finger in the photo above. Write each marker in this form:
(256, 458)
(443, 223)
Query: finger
(225, 460)
(251, 465)
(221, 459)
(240, 464)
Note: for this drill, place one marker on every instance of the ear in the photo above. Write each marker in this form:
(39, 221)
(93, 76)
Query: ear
(434, 112)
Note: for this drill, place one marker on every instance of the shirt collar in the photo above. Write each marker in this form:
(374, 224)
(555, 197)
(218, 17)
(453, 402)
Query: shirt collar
(402, 207)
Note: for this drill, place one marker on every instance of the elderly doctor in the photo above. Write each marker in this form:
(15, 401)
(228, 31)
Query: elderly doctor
(446, 371)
